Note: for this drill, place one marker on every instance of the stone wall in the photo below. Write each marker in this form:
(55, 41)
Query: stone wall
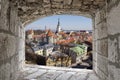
(31, 10)
(107, 41)
(11, 41)
(106, 35)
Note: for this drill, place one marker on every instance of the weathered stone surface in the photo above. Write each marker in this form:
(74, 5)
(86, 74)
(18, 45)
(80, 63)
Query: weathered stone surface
(106, 30)
(113, 21)
(84, 6)
(79, 76)
(67, 2)
(14, 65)
(102, 76)
(35, 74)
(92, 77)
(9, 59)
(102, 47)
(13, 20)
(117, 73)
(6, 69)
(51, 75)
(5, 47)
(96, 34)
(111, 69)
(100, 17)
(77, 3)
(65, 76)
(102, 64)
(5, 15)
(46, 1)
(112, 49)
(55, 73)
(2, 71)
(119, 48)
(114, 73)
(102, 30)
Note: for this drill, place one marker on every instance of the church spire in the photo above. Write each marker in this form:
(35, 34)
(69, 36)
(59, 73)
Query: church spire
(58, 26)
(58, 23)
(45, 28)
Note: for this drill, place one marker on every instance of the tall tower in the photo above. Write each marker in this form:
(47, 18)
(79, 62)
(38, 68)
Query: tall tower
(45, 28)
(58, 26)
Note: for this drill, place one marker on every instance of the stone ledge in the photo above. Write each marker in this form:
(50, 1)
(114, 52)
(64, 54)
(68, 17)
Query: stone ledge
(36, 72)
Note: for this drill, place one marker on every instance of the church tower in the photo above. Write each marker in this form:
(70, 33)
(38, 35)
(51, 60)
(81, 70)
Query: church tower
(58, 27)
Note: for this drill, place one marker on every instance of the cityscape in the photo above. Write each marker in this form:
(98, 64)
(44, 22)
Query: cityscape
(60, 48)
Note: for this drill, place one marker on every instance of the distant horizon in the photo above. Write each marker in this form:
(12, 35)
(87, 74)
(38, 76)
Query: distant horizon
(63, 30)
(67, 22)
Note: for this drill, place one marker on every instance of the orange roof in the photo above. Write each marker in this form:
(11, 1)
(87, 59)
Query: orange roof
(50, 33)
(55, 36)
(39, 36)
(67, 41)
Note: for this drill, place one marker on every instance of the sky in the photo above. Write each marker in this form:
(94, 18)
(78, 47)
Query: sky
(67, 22)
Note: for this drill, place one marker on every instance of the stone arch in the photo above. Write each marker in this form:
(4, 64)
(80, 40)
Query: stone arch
(30, 10)
(105, 15)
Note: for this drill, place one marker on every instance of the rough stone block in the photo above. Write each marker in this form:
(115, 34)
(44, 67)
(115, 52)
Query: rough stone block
(7, 46)
(113, 21)
(46, 1)
(102, 64)
(13, 20)
(112, 49)
(103, 14)
(79, 76)
(68, 75)
(36, 74)
(5, 15)
(97, 18)
(93, 77)
(2, 72)
(7, 67)
(46, 5)
(114, 73)
(100, 16)
(77, 3)
(102, 30)
(14, 68)
(117, 74)
(57, 5)
(67, 2)
(111, 69)
(102, 47)
(101, 75)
